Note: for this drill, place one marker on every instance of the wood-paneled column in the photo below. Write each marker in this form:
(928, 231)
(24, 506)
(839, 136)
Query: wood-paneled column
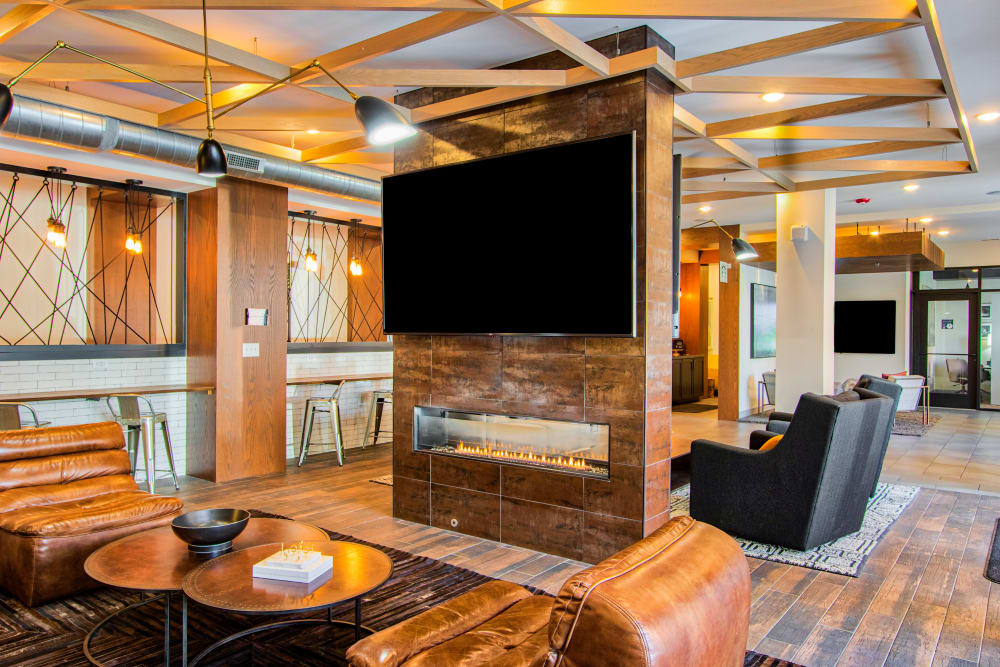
(729, 330)
(237, 259)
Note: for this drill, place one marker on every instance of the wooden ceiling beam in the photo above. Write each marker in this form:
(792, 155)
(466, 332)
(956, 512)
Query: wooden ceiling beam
(357, 157)
(698, 172)
(847, 133)
(929, 18)
(713, 163)
(866, 179)
(768, 10)
(22, 17)
(305, 5)
(336, 148)
(855, 150)
(788, 45)
(815, 85)
(812, 112)
(942, 166)
(94, 71)
(717, 196)
(730, 186)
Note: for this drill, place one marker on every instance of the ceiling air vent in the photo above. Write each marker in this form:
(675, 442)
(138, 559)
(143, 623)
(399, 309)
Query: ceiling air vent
(243, 162)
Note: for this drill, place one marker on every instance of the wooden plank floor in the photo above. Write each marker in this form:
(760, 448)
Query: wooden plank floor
(921, 598)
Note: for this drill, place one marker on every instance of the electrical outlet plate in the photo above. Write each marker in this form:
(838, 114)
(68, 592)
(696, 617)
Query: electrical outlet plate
(251, 349)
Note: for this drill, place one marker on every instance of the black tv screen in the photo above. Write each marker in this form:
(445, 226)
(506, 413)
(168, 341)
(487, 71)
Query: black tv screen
(535, 242)
(866, 327)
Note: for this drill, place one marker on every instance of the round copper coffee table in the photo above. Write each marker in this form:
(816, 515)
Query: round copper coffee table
(227, 583)
(156, 562)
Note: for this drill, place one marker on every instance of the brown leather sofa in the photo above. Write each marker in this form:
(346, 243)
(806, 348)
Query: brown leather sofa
(64, 492)
(678, 597)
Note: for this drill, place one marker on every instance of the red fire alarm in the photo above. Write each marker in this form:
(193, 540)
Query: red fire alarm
(862, 200)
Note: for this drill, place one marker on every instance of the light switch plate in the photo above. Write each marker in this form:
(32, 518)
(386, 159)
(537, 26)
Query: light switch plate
(251, 349)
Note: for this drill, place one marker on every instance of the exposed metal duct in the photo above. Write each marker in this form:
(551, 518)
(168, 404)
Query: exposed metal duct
(34, 119)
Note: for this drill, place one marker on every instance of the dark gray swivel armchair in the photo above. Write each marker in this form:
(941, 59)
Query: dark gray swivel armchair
(779, 421)
(807, 491)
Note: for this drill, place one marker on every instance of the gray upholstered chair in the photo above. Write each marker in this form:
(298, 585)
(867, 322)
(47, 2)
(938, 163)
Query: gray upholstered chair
(808, 490)
(779, 421)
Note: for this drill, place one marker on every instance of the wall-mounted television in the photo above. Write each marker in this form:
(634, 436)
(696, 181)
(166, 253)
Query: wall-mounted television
(538, 242)
(864, 327)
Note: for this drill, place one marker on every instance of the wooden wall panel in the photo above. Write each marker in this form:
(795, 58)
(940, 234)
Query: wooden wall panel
(131, 300)
(729, 331)
(239, 228)
(690, 313)
(624, 382)
(364, 298)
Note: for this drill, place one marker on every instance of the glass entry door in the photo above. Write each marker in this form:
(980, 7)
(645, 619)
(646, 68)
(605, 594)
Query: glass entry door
(989, 349)
(947, 350)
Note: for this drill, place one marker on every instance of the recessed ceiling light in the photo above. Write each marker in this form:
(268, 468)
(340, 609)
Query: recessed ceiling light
(772, 97)
(312, 131)
(989, 116)
(942, 232)
(926, 219)
(911, 187)
(873, 232)
(705, 209)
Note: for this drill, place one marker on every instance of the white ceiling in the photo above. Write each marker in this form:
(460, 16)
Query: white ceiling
(968, 28)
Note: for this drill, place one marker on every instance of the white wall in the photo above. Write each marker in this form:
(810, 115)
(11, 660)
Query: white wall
(876, 287)
(751, 369)
(18, 377)
(969, 253)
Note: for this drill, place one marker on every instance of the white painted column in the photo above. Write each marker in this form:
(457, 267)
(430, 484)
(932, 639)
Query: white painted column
(805, 287)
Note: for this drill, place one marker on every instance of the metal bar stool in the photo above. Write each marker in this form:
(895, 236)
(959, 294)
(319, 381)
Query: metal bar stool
(138, 423)
(10, 417)
(329, 405)
(379, 398)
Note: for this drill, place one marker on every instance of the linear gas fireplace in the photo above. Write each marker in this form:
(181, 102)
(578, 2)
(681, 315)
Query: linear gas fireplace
(563, 446)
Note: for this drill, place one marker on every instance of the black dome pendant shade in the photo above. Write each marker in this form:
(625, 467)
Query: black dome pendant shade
(6, 103)
(383, 123)
(211, 159)
(743, 250)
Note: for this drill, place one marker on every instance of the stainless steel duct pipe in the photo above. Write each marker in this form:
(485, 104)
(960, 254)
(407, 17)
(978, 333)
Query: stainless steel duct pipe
(34, 119)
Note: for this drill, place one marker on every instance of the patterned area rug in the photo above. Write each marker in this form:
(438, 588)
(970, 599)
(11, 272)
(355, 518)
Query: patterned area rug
(843, 556)
(51, 635)
(912, 423)
(384, 480)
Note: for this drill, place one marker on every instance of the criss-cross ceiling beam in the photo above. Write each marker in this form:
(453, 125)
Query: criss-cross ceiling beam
(848, 133)
(943, 166)
(812, 112)
(929, 18)
(814, 85)
(22, 17)
(353, 54)
(780, 47)
(855, 150)
(768, 10)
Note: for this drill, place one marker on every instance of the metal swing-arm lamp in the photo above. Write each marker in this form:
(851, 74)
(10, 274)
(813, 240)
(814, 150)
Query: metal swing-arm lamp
(742, 250)
(382, 122)
(7, 98)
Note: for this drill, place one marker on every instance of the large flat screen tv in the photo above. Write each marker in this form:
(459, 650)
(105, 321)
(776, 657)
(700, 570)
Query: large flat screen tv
(865, 327)
(538, 242)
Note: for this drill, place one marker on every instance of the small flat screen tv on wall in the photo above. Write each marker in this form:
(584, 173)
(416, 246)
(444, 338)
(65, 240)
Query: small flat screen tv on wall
(538, 242)
(864, 327)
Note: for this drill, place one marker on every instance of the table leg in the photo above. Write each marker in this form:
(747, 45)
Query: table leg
(357, 619)
(166, 631)
(184, 630)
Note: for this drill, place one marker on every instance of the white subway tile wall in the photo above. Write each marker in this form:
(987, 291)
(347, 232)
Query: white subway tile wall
(18, 377)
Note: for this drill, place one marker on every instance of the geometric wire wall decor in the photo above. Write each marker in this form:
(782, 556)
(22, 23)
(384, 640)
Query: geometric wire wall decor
(86, 287)
(327, 302)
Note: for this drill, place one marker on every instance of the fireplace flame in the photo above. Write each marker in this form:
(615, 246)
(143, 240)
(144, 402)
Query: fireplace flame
(506, 454)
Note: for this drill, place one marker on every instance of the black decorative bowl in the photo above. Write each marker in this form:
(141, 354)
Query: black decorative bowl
(210, 532)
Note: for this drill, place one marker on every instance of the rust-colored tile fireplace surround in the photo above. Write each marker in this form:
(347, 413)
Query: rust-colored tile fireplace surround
(622, 382)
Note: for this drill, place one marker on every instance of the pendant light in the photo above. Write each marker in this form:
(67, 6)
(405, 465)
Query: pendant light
(56, 230)
(742, 250)
(355, 266)
(133, 240)
(211, 158)
(311, 261)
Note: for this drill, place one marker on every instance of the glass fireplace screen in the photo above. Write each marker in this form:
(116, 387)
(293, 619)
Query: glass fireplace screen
(574, 447)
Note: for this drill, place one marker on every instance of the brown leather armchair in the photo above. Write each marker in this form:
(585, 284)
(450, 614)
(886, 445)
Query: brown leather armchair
(64, 492)
(678, 597)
